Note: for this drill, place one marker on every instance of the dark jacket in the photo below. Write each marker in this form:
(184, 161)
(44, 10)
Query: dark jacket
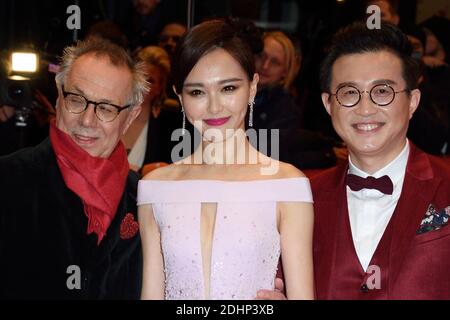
(276, 109)
(43, 233)
(429, 127)
(159, 143)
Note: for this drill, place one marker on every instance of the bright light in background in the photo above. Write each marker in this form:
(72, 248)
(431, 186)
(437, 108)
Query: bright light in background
(340, 1)
(24, 62)
(18, 78)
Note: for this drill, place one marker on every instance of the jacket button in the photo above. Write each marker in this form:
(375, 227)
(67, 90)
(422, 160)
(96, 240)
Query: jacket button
(364, 288)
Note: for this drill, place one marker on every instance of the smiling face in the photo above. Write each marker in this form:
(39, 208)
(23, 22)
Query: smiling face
(368, 129)
(97, 80)
(216, 93)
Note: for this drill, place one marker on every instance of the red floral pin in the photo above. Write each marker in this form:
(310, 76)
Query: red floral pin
(129, 227)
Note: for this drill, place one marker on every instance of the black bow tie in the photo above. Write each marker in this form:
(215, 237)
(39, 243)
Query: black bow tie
(382, 184)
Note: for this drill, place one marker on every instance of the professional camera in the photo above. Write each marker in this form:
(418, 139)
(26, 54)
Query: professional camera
(16, 78)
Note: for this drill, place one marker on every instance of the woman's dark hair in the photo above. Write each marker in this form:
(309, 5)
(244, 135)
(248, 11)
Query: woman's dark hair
(206, 37)
(357, 38)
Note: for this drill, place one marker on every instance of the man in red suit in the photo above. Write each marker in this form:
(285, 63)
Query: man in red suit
(381, 219)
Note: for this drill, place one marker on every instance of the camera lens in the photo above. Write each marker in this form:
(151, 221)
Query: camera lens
(15, 91)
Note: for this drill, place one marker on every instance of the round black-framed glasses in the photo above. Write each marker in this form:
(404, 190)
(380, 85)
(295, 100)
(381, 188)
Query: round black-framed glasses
(381, 94)
(77, 103)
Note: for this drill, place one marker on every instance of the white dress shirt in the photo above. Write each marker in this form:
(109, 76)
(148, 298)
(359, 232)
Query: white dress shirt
(370, 210)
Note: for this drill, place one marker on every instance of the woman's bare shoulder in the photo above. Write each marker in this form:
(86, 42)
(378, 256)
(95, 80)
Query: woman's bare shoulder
(169, 172)
(287, 170)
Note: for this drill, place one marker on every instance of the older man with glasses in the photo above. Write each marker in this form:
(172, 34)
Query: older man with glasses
(381, 219)
(68, 226)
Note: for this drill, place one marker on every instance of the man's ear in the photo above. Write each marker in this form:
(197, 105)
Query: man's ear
(60, 97)
(414, 101)
(326, 101)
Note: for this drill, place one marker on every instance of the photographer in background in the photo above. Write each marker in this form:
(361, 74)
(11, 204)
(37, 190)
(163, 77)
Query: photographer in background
(25, 110)
(13, 137)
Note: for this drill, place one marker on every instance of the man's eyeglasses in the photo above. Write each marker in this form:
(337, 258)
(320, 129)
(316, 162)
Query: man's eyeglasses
(76, 103)
(380, 94)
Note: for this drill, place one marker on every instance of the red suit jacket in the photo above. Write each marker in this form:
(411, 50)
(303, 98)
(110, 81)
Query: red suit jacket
(406, 265)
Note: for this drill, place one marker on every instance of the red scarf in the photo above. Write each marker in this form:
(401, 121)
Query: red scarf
(99, 182)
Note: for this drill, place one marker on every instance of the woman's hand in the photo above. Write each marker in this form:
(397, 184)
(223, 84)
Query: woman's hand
(275, 294)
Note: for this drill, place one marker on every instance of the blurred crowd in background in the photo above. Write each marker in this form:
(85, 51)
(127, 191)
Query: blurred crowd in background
(288, 39)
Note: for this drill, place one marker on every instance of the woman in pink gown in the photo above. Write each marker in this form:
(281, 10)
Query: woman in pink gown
(214, 224)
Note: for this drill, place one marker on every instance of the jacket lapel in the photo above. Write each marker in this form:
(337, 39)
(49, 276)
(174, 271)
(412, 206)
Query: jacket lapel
(330, 204)
(419, 187)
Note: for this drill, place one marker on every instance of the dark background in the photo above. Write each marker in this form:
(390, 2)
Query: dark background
(43, 23)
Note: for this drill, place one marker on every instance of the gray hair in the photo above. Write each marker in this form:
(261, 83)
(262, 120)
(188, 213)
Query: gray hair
(117, 56)
(159, 58)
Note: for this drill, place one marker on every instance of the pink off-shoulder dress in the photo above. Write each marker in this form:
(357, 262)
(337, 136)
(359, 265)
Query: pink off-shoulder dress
(246, 242)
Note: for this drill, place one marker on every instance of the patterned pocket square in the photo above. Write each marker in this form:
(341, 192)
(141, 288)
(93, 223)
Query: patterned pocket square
(434, 219)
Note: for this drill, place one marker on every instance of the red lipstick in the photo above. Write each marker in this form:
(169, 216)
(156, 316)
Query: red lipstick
(216, 122)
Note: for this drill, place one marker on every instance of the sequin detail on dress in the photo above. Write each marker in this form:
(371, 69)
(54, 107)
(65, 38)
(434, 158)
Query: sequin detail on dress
(246, 243)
